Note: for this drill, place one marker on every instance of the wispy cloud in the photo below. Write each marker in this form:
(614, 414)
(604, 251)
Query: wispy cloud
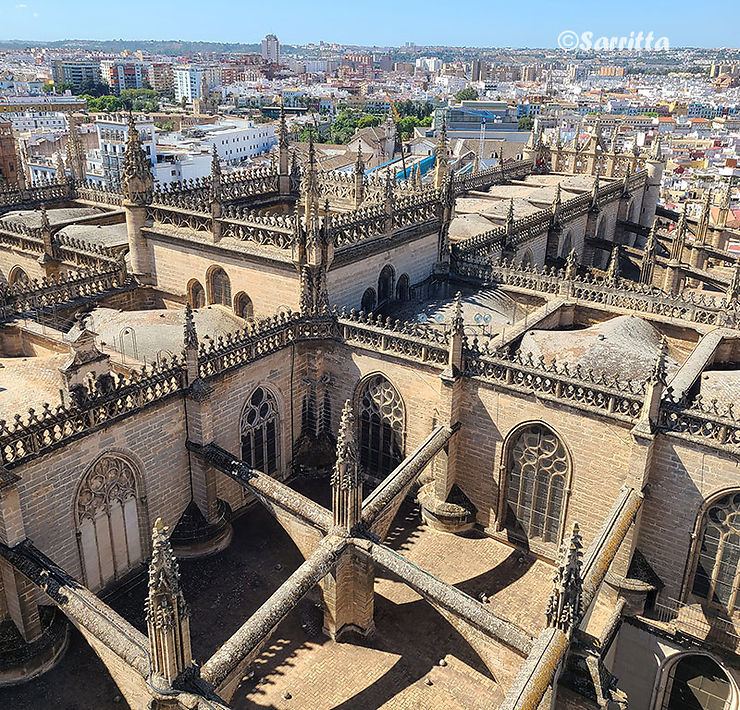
(21, 6)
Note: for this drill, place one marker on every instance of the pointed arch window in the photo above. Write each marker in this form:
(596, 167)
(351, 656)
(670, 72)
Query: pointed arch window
(107, 519)
(381, 420)
(220, 287)
(536, 475)
(717, 566)
(260, 432)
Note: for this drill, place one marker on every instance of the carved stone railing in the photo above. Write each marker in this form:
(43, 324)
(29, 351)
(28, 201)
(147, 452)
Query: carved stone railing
(67, 249)
(82, 253)
(242, 184)
(43, 190)
(102, 402)
(539, 222)
(497, 175)
(95, 192)
(575, 386)
(261, 231)
(199, 221)
(629, 295)
(414, 341)
(363, 223)
(258, 339)
(702, 422)
(54, 293)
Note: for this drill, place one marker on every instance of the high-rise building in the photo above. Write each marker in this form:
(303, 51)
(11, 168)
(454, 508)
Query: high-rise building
(161, 77)
(271, 49)
(75, 71)
(187, 80)
(124, 75)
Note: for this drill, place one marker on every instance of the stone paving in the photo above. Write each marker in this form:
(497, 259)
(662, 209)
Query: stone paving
(398, 667)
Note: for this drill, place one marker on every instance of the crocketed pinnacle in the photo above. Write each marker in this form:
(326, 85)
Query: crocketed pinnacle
(346, 474)
(565, 606)
(190, 335)
(136, 176)
(164, 572)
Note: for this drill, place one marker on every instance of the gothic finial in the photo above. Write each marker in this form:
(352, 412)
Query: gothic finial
(45, 225)
(565, 606)
(727, 195)
(457, 317)
(283, 130)
(167, 613)
(732, 294)
(613, 270)
(510, 217)
(659, 373)
(191, 337)
(595, 193)
(656, 154)
(61, 169)
(557, 203)
(346, 481)
(359, 163)
(571, 265)
(136, 178)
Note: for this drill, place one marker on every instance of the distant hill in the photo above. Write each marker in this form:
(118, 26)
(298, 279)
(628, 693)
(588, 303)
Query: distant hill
(171, 47)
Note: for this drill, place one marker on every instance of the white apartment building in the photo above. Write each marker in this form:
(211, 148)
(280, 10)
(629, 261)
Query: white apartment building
(187, 80)
(37, 120)
(235, 140)
(112, 138)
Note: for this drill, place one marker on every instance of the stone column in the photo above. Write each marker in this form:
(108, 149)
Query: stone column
(20, 594)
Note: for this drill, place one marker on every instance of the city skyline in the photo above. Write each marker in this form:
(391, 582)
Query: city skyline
(423, 24)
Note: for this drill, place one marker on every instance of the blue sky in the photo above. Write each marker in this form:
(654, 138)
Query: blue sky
(532, 23)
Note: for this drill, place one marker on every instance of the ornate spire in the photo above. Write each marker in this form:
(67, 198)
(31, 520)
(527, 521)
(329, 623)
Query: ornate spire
(282, 130)
(702, 227)
(647, 266)
(359, 162)
(510, 216)
(660, 371)
(565, 606)
(727, 195)
(45, 224)
(457, 316)
(656, 154)
(626, 182)
(679, 237)
(346, 481)
(733, 290)
(310, 185)
(20, 173)
(440, 165)
(215, 175)
(75, 153)
(595, 193)
(167, 613)
(136, 179)
(190, 336)
(571, 265)
(613, 270)
(615, 138)
(557, 204)
(61, 169)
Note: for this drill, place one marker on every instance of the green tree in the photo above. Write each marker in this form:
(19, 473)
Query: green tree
(307, 132)
(93, 88)
(368, 120)
(469, 94)
(525, 123)
(57, 88)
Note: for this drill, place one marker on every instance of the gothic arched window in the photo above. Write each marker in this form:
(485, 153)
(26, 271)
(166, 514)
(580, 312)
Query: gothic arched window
(196, 294)
(385, 284)
(381, 421)
(107, 519)
(536, 472)
(368, 300)
(243, 306)
(18, 277)
(696, 682)
(403, 290)
(718, 554)
(259, 432)
(220, 287)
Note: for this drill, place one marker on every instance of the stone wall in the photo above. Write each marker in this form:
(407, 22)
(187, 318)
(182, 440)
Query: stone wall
(153, 440)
